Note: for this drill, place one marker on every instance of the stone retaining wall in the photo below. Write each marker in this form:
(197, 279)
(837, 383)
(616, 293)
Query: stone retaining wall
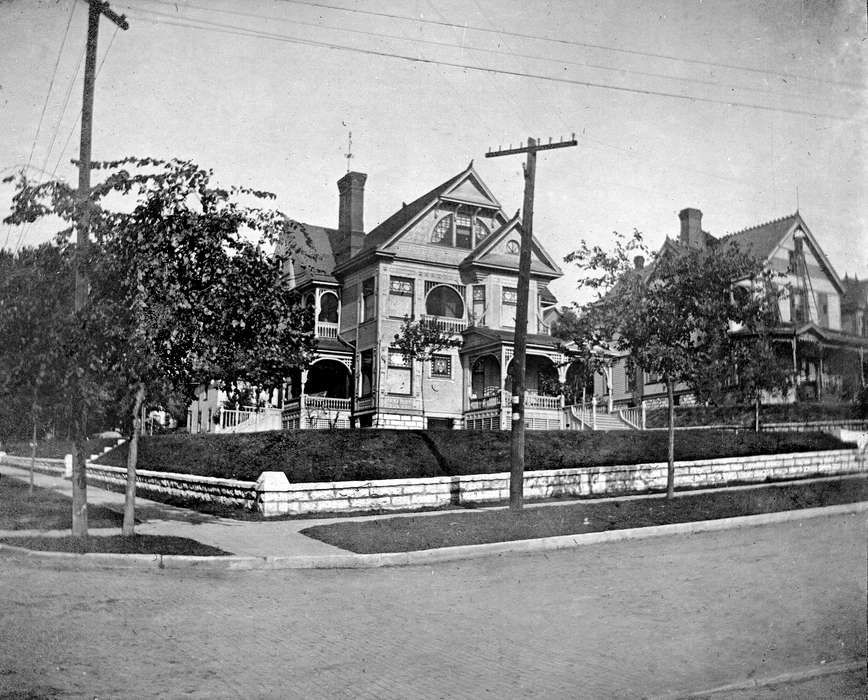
(278, 497)
(238, 494)
(273, 495)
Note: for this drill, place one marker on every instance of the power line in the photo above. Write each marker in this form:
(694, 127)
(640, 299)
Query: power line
(69, 135)
(602, 47)
(51, 83)
(464, 47)
(240, 31)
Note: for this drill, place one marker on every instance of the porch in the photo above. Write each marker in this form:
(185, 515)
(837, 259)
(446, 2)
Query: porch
(492, 411)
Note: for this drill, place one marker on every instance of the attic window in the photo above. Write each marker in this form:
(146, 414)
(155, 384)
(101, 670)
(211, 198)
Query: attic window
(513, 248)
(442, 234)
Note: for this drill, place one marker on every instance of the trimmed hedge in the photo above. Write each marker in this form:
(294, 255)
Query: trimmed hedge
(744, 415)
(362, 455)
(56, 449)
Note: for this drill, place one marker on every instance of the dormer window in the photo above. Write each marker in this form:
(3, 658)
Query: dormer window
(480, 230)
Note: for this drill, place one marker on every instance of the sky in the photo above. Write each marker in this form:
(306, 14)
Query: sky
(746, 110)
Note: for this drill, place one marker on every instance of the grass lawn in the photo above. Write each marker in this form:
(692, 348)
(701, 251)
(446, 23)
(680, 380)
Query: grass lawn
(116, 544)
(362, 455)
(50, 510)
(405, 534)
(45, 510)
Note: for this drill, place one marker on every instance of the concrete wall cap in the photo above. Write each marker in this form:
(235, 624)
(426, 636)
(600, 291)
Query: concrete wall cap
(272, 481)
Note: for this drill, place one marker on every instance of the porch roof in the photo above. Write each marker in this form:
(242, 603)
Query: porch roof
(826, 336)
(477, 337)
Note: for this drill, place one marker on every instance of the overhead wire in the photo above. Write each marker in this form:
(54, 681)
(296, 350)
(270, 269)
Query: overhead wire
(69, 135)
(47, 97)
(573, 42)
(465, 47)
(204, 25)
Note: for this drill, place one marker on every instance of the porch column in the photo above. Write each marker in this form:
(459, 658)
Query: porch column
(467, 373)
(609, 386)
(302, 417)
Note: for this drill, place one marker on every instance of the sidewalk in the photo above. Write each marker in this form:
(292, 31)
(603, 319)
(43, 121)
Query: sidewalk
(280, 544)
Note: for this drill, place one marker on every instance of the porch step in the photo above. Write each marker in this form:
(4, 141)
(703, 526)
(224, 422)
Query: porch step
(605, 421)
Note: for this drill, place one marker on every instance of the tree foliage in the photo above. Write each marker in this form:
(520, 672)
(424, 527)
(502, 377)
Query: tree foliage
(182, 288)
(675, 317)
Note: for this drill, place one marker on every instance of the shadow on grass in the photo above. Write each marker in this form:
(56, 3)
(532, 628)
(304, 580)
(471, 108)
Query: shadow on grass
(404, 534)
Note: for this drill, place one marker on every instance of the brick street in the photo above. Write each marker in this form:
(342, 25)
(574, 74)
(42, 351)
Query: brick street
(638, 618)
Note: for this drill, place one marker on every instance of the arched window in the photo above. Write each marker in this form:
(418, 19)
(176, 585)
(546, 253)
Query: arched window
(309, 301)
(444, 301)
(442, 234)
(328, 308)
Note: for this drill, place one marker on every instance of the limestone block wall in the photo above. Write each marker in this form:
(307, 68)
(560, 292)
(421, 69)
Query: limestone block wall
(238, 494)
(409, 494)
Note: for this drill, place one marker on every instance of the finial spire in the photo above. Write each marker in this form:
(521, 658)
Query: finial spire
(349, 154)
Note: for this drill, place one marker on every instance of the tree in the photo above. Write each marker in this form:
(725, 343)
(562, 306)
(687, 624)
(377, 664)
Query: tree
(181, 289)
(419, 340)
(35, 286)
(674, 317)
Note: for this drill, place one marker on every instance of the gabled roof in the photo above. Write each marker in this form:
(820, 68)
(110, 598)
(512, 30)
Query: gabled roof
(482, 255)
(386, 232)
(313, 256)
(762, 240)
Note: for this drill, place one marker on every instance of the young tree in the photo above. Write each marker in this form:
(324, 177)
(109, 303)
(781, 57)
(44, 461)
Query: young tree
(419, 340)
(35, 288)
(179, 289)
(674, 317)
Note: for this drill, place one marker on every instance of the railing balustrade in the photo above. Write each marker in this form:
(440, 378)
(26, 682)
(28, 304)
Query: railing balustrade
(328, 402)
(325, 329)
(447, 325)
(634, 416)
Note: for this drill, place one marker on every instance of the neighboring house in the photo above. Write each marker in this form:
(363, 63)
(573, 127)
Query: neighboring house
(450, 256)
(821, 332)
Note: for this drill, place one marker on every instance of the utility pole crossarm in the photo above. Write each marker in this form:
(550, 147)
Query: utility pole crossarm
(103, 8)
(536, 147)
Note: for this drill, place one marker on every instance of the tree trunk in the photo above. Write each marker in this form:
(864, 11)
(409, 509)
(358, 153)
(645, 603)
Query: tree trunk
(79, 476)
(670, 466)
(422, 394)
(32, 453)
(756, 413)
(129, 525)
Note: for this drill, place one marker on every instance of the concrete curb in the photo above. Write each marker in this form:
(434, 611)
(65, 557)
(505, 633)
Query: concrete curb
(428, 556)
(807, 674)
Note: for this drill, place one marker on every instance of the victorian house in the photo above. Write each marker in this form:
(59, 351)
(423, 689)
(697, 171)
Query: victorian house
(450, 256)
(822, 329)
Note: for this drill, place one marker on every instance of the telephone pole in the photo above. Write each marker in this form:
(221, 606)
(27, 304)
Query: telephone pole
(516, 472)
(97, 8)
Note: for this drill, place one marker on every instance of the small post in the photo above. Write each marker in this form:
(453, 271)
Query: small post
(643, 414)
(594, 413)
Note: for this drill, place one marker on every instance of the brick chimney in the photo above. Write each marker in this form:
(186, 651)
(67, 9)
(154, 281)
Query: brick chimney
(691, 228)
(351, 215)
(638, 262)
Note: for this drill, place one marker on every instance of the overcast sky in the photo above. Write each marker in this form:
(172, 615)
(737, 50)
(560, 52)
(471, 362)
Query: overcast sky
(727, 106)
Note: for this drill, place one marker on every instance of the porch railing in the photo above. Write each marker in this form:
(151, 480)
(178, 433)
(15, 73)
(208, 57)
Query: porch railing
(447, 325)
(325, 329)
(327, 402)
(231, 417)
(634, 416)
(531, 400)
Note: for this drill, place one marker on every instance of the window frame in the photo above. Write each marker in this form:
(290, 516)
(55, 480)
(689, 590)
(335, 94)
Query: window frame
(401, 293)
(437, 375)
(404, 364)
(368, 294)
